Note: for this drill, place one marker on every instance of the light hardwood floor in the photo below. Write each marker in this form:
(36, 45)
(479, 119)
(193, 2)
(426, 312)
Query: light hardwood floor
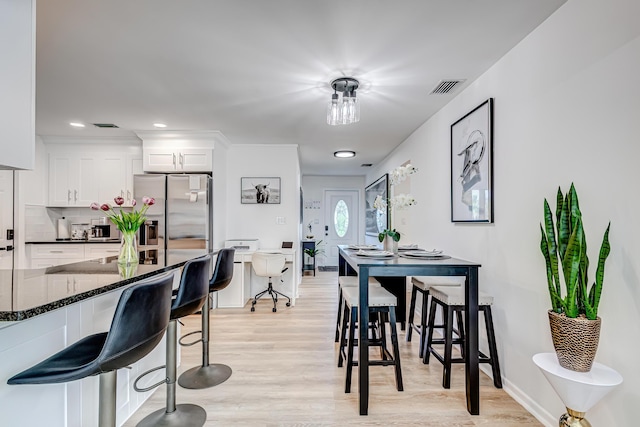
(285, 374)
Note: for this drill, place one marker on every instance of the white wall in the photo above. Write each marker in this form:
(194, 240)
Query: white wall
(248, 221)
(567, 103)
(313, 187)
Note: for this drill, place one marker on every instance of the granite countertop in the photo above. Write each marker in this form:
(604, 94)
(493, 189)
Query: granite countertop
(30, 292)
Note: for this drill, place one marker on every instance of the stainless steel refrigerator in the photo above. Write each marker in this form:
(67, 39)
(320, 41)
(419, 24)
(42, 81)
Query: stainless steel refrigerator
(179, 224)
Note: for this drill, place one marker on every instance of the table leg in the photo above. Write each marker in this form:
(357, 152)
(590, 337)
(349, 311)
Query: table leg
(363, 341)
(472, 374)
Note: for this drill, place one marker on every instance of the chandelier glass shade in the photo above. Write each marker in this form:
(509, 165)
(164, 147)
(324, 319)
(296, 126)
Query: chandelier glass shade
(344, 108)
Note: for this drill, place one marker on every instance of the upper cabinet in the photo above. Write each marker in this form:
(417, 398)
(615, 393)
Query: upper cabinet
(81, 174)
(183, 151)
(17, 84)
(72, 179)
(162, 159)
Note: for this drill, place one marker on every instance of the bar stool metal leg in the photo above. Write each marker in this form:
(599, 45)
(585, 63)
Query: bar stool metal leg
(174, 415)
(107, 404)
(207, 375)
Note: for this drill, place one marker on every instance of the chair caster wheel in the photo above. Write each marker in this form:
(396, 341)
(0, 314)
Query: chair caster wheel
(274, 310)
(253, 308)
(288, 304)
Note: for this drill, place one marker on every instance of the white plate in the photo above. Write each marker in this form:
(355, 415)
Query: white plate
(363, 247)
(424, 254)
(408, 248)
(375, 254)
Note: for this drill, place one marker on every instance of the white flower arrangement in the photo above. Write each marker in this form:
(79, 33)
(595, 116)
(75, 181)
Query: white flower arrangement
(401, 173)
(399, 201)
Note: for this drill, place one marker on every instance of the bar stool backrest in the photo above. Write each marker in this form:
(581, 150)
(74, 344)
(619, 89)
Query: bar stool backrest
(223, 271)
(194, 287)
(139, 322)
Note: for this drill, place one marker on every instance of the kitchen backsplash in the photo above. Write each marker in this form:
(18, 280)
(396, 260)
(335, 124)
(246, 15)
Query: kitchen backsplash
(41, 221)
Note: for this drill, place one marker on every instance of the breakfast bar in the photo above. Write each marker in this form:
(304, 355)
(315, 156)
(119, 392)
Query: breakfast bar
(43, 311)
(351, 263)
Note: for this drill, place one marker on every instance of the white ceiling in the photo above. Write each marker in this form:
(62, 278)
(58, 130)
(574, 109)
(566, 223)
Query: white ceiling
(259, 70)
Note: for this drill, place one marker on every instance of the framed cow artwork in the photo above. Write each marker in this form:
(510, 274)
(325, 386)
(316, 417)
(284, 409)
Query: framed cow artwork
(260, 190)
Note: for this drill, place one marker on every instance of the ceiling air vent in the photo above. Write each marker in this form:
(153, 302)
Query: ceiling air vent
(105, 125)
(446, 86)
(366, 165)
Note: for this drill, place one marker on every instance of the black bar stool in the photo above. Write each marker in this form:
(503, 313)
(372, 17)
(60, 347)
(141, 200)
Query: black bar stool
(209, 375)
(451, 299)
(192, 293)
(421, 284)
(145, 305)
(348, 282)
(380, 301)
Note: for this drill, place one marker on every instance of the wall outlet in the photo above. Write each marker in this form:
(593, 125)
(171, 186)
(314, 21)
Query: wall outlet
(280, 220)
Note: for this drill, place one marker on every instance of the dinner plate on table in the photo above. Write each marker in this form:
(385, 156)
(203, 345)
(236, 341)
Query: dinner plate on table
(375, 254)
(363, 247)
(425, 254)
(408, 248)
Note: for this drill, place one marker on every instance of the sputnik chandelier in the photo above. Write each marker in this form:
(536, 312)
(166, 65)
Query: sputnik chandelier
(346, 110)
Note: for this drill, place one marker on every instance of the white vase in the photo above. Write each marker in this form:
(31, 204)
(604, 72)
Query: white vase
(390, 244)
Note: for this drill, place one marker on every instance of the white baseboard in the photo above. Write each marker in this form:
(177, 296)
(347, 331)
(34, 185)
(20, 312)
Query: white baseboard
(524, 399)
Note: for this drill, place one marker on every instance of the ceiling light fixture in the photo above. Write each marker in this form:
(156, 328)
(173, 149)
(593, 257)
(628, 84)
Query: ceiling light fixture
(344, 154)
(76, 124)
(160, 125)
(346, 110)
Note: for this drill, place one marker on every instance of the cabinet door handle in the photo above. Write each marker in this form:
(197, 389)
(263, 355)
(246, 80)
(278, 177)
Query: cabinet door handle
(122, 193)
(181, 160)
(174, 159)
(55, 252)
(75, 195)
(68, 195)
(68, 287)
(129, 195)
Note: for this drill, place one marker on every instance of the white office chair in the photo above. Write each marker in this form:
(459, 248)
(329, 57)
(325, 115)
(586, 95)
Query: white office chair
(269, 265)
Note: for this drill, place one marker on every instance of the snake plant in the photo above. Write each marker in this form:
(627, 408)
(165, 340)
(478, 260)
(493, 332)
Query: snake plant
(568, 255)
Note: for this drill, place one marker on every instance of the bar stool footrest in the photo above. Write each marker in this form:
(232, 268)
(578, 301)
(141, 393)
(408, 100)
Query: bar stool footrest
(189, 344)
(144, 374)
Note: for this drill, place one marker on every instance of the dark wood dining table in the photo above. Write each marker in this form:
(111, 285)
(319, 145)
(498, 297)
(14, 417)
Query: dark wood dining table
(352, 264)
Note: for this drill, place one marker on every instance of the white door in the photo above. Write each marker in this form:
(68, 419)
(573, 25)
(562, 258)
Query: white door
(341, 223)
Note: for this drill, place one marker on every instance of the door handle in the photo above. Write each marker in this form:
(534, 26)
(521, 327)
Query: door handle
(68, 195)
(181, 160)
(129, 195)
(174, 159)
(75, 195)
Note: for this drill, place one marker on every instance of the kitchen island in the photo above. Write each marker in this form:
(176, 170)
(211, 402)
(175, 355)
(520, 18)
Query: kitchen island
(44, 310)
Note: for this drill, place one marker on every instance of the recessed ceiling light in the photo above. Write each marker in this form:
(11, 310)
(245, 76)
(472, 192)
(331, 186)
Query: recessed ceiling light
(160, 125)
(77, 124)
(343, 154)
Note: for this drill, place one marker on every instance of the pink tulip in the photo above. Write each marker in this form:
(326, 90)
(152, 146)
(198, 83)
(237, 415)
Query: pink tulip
(105, 207)
(95, 206)
(133, 202)
(119, 200)
(149, 201)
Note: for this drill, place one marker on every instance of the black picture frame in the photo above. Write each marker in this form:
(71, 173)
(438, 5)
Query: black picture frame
(260, 190)
(472, 165)
(375, 219)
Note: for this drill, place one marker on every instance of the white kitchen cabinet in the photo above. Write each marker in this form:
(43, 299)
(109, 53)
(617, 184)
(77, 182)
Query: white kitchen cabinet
(43, 256)
(72, 179)
(162, 159)
(116, 176)
(101, 250)
(133, 167)
(17, 83)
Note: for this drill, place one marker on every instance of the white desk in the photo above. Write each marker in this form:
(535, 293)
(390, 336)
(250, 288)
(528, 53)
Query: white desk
(246, 283)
